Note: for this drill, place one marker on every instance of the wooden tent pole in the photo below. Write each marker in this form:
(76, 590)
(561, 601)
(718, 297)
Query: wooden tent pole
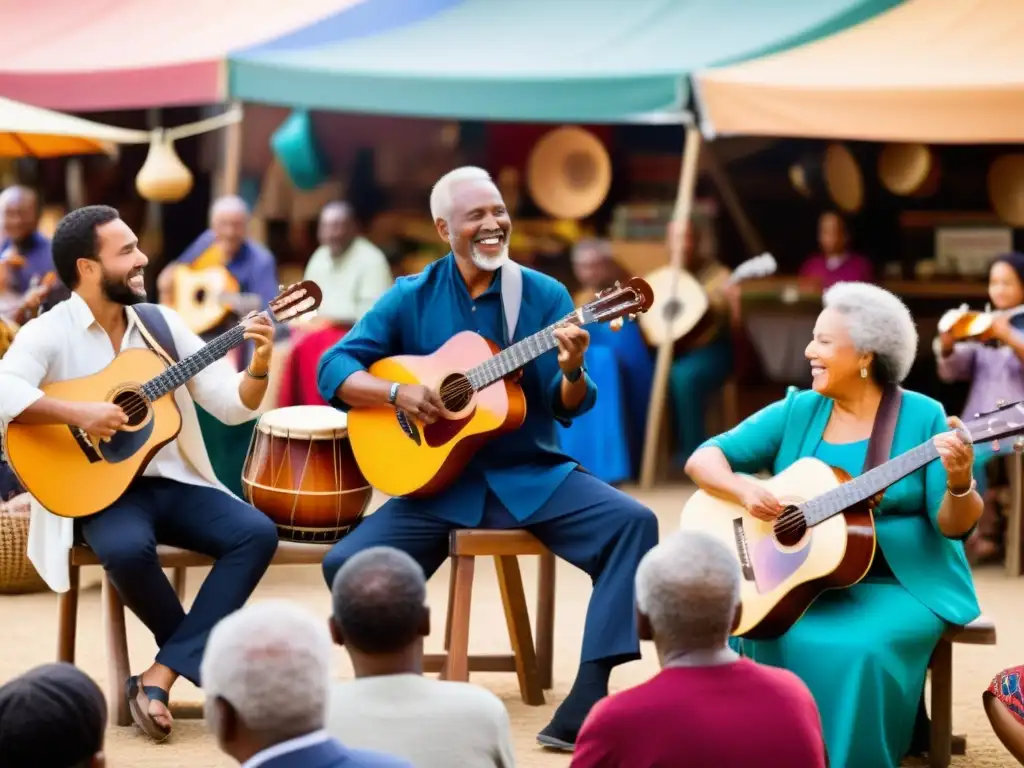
(659, 388)
(713, 165)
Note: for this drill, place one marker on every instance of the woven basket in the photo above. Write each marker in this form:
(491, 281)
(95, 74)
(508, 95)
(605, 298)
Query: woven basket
(17, 575)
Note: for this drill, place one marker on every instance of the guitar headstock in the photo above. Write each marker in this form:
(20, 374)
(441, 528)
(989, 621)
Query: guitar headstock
(1006, 420)
(296, 300)
(616, 303)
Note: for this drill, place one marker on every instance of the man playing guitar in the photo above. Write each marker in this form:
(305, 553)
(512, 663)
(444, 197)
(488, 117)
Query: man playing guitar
(520, 479)
(177, 500)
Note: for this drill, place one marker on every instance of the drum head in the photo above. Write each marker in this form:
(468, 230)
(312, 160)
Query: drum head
(305, 421)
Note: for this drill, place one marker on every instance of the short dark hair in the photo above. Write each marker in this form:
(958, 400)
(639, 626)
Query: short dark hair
(75, 238)
(379, 600)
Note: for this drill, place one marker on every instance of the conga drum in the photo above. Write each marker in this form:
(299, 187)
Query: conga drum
(301, 473)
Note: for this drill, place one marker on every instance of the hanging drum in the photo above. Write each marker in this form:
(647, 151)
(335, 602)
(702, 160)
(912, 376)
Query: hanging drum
(1006, 188)
(834, 174)
(909, 170)
(301, 473)
(569, 173)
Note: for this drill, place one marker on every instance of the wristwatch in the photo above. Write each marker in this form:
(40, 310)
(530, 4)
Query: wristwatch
(573, 376)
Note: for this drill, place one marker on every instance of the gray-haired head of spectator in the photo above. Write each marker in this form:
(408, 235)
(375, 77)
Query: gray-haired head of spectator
(53, 716)
(337, 227)
(380, 611)
(688, 594)
(265, 673)
(594, 264)
(229, 220)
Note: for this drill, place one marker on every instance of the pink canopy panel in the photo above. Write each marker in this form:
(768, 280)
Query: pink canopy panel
(86, 55)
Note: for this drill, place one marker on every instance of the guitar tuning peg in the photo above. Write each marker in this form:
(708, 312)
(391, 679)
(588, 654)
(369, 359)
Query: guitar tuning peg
(1000, 403)
(618, 284)
(632, 316)
(616, 324)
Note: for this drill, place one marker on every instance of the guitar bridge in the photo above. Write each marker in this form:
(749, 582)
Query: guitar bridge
(410, 429)
(82, 438)
(741, 549)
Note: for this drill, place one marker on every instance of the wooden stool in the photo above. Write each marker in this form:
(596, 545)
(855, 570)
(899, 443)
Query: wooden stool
(118, 663)
(981, 631)
(533, 667)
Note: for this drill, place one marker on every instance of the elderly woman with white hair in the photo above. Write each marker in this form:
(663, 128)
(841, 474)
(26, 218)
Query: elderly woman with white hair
(863, 651)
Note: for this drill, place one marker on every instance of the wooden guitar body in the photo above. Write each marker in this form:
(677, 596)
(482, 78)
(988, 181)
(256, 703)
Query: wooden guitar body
(198, 296)
(430, 460)
(780, 579)
(75, 475)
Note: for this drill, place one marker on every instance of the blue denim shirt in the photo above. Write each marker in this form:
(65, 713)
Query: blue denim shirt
(419, 314)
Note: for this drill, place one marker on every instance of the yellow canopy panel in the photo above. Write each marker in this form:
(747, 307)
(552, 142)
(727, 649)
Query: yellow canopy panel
(941, 71)
(27, 131)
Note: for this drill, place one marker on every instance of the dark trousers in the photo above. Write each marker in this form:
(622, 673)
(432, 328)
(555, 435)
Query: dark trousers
(586, 522)
(124, 537)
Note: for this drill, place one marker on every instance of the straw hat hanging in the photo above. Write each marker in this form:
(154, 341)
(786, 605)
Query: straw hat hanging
(569, 173)
(909, 170)
(1006, 188)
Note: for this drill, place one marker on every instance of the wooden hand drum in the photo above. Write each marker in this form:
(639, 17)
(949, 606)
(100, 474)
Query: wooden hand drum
(300, 472)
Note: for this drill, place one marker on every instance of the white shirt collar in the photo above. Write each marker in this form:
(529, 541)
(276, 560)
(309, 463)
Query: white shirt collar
(83, 317)
(286, 747)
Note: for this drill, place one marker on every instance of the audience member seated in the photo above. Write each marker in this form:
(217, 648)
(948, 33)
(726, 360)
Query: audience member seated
(381, 617)
(835, 263)
(1004, 705)
(708, 706)
(265, 674)
(53, 716)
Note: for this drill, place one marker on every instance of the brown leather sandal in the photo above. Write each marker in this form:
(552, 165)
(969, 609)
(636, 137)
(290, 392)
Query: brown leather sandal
(139, 697)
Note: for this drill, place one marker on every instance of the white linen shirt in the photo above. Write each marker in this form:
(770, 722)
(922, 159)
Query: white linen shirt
(67, 343)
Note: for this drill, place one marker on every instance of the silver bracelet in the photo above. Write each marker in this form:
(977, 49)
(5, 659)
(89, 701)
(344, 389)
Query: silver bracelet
(968, 492)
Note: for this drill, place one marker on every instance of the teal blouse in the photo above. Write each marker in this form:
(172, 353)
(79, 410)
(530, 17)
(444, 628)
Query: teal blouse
(930, 566)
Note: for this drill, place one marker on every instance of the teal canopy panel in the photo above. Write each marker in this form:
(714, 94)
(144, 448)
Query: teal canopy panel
(528, 60)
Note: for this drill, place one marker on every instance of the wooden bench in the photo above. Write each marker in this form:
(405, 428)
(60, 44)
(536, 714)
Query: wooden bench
(532, 666)
(118, 663)
(531, 662)
(981, 631)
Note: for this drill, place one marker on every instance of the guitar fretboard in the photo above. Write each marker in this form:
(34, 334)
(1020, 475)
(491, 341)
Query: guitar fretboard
(512, 358)
(873, 481)
(180, 373)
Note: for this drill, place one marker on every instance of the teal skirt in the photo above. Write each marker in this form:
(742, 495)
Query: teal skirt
(863, 652)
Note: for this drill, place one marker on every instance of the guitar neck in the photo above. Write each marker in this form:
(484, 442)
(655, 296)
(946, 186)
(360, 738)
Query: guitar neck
(183, 371)
(513, 358)
(872, 482)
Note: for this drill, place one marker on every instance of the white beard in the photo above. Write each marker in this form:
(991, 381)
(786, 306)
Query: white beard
(488, 263)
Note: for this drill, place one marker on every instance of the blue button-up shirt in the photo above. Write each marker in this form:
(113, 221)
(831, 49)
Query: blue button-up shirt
(38, 260)
(419, 314)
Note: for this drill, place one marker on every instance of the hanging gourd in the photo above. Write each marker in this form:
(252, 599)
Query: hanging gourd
(163, 177)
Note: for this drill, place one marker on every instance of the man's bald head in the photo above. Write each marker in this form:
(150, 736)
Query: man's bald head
(337, 228)
(380, 601)
(19, 212)
(229, 220)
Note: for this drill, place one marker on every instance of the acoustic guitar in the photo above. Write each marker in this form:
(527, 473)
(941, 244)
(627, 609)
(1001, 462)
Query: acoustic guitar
(825, 536)
(401, 457)
(683, 302)
(72, 473)
(206, 297)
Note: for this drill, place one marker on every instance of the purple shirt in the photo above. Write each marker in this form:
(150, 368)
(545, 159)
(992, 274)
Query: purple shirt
(995, 373)
(854, 268)
(253, 266)
(38, 260)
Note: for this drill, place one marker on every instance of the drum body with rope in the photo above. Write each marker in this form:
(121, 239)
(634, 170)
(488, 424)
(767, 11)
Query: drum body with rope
(301, 473)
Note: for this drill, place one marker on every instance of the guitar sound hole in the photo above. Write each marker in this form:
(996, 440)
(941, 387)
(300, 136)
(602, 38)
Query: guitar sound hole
(134, 405)
(200, 296)
(456, 392)
(671, 309)
(790, 527)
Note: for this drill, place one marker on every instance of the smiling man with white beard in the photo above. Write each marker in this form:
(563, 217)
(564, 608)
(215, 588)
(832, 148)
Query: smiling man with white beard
(520, 479)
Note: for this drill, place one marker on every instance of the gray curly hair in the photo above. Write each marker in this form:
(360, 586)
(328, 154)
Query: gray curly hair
(878, 322)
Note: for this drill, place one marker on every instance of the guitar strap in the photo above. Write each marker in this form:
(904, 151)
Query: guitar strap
(511, 297)
(882, 431)
(156, 332)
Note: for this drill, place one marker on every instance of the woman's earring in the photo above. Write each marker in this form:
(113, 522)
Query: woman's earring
(863, 373)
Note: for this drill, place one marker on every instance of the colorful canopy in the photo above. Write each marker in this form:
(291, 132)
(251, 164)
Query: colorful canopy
(87, 55)
(944, 71)
(530, 60)
(33, 132)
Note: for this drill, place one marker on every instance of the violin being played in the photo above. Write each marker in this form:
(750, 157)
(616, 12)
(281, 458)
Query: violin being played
(965, 324)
